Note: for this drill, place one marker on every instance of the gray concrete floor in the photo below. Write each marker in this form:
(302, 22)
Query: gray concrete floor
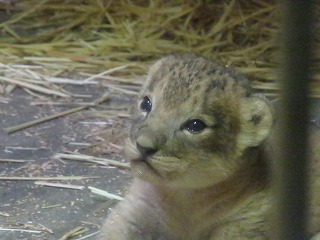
(33, 207)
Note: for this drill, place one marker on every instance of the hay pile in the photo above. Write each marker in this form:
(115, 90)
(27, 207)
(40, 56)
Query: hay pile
(84, 37)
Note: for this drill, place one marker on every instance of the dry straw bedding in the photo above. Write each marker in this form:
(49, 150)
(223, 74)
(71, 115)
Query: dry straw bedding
(44, 42)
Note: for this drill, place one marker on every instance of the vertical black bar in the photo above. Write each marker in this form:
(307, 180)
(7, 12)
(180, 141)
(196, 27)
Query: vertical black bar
(291, 162)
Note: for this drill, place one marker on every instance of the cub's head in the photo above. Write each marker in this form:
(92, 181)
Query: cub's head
(195, 119)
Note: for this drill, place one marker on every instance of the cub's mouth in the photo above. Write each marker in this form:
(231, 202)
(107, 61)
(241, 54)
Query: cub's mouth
(143, 160)
(141, 164)
(142, 168)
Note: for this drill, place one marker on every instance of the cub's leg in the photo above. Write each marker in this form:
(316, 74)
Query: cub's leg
(135, 218)
(316, 237)
(241, 232)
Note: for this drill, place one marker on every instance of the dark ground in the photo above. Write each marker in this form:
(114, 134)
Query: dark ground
(35, 207)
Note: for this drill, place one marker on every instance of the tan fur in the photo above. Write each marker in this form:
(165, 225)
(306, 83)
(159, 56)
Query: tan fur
(207, 185)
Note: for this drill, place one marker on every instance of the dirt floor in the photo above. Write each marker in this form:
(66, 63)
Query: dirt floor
(51, 212)
(42, 212)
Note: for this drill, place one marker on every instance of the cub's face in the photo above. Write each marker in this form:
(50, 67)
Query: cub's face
(194, 120)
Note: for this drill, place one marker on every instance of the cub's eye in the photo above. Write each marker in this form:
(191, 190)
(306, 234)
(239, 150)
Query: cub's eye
(195, 125)
(146, 104)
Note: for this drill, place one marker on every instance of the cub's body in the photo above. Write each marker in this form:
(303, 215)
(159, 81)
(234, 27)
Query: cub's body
(199, 151)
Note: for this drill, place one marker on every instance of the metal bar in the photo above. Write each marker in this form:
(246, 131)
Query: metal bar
(291, 161)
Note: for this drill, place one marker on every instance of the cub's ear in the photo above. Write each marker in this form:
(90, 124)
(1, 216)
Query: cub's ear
(256, 121)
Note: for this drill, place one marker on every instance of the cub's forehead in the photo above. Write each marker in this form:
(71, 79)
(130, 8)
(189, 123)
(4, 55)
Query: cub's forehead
(179, 78)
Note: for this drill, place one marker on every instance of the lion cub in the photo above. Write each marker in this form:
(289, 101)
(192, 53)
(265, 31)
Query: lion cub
(198, 157)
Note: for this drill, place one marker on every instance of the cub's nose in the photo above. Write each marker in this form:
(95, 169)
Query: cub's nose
(146, 146)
